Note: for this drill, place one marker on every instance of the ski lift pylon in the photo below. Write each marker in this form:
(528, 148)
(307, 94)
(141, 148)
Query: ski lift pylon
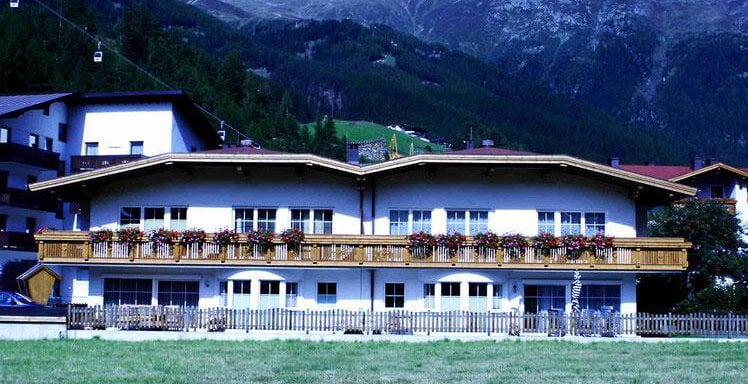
(98, 55)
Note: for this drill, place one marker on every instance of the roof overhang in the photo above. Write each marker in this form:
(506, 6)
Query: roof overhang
(710, 168)
(560, 162)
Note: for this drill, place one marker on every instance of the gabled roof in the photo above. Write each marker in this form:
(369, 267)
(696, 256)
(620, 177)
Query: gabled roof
(242, 151)
(15, 104)
(677, 173)
(710, 168)
(564, 162)
(36, 269)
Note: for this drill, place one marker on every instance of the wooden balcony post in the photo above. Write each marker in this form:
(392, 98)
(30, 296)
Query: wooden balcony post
(407, 255)
(222, 251)
(87, 250)
(637, 256)
(42, 250)
(131, 253)
(315, 252)
(359, 254)
(177, 252)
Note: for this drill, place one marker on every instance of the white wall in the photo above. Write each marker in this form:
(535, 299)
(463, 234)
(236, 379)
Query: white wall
(85, 284)
(35, 121)
(183, 137)
(210, 195)
(512, 197)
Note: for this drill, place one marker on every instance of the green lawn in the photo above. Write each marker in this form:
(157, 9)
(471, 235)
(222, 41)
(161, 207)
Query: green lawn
(97, 361)
(364, 130)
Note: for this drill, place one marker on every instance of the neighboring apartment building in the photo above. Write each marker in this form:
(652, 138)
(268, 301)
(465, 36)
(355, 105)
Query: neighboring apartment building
(355, 255)
(43, 136)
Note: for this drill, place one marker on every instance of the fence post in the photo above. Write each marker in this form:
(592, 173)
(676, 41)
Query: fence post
(729, 324)
(669, 324)
(306, 321)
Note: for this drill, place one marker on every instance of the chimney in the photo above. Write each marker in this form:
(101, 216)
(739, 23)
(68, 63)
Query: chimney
(697, 163)
(615, 162)
(487, 143)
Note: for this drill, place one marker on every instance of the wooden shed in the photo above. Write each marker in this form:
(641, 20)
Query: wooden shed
(37, 283)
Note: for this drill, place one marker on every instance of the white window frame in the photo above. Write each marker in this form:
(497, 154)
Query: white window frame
(317, 296)
(394, 296)
(557, 225)
(295, 295)
(311, 224)
(255, 217)
(167, 218)
(411, 226)
(467, 212)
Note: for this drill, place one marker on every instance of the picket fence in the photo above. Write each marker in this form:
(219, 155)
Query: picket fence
(176, 318)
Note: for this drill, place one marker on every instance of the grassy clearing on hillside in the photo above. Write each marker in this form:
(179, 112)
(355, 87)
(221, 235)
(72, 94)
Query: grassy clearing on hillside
(364, 130)
(97, 361)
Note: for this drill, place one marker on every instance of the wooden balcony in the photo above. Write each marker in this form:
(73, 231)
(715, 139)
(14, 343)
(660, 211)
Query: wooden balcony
(652, 254)
(19, 241)
(24, 199)
(24, 154)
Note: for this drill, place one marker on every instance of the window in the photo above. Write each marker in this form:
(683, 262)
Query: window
(33, 141)
(571, 223)
(301, 219)
(4, 135)
(327, 293)
(394, 295)
(3, 180)
(467, 222)
(269, 294)
(398, 222)
(92, 149)
(717, 192)
(478, 296)
(456, 222)
(129, 217)
(127, 291)
(182, 293)
(62, 132)
(178, 218)
(544, 297)
(3, 223)
(244, 220)
(136, 147)
(594, 223)
(450, 296)
(223, 291)
(49, 144)
(594, 297)
(546, 222)
(292, 293)
(422, 221)
(497, 294)
(153, 218)
(242, 294)
(30, 224)
(429, 296)
(478, 222)
(31, 179)
(266, 219)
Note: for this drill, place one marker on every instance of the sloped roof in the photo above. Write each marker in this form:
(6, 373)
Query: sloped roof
(18, 103)
(664, 172)
(490, 151)
(36, 269)
(569, 163)
(242, 151)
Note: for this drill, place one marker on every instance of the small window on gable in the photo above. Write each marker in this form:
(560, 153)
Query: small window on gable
(62, 132)
(717, 192)
(4, 135)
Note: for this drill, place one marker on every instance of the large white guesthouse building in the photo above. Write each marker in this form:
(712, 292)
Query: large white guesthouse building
(356, 218)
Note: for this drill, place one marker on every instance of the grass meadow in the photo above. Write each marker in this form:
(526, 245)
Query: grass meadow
(98, 361)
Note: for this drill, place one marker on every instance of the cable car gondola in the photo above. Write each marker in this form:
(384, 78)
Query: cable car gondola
(98, 55)
(14, 3)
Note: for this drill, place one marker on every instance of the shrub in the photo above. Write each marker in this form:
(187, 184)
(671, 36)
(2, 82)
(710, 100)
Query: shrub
(601, 241)
(225, 237)
(514, 240)
(292, 236)
(101, 236)
(487, 240)
(130, 236)
(452, 241)
(193, 236)
(163, 236)
(574, 244)
(546, 241)
(262, 237)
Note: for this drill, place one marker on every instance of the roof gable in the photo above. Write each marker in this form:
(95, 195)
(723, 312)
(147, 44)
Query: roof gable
(15, 104)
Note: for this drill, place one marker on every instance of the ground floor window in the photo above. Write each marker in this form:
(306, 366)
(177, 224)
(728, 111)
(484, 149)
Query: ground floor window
(595, 297)
(269, 294)
(127, 291)
(429, 296)
(478, 296)
(540, 298)
(450, 296)
(327, 293)
(394, 295)
(242, 294)
(497, 294)
(177, 292)
(292, 293)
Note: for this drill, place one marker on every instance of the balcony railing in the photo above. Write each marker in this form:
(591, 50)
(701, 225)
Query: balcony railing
(89, 163)
(24, 199)
(665, 254)
(18, 241)
(24, 154)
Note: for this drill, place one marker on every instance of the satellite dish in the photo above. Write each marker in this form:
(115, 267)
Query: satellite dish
(98, 55)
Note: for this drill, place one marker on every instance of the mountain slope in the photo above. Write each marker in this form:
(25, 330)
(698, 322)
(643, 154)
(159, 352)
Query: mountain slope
(627, 57)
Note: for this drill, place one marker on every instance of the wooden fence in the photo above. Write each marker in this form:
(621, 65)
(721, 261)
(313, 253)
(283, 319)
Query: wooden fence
(404, 322)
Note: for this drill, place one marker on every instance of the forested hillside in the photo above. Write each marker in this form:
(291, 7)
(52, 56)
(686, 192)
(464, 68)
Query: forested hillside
(309, 69)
